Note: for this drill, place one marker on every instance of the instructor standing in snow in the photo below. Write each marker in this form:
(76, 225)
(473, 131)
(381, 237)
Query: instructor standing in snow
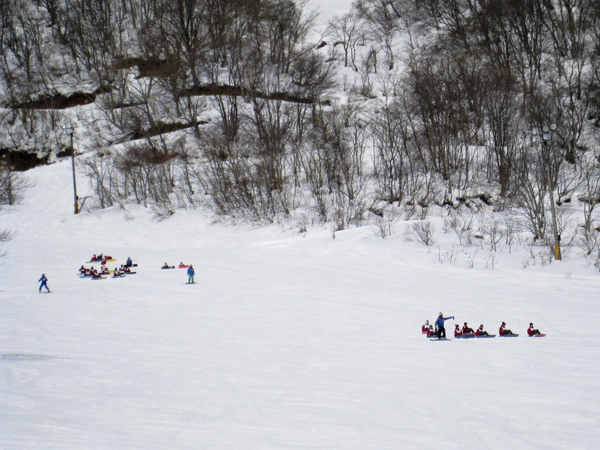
(439, 324)
(190, 273)
(44, 282)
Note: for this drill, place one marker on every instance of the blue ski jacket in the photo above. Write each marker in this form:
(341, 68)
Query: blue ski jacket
(440, 321)
(190, 271)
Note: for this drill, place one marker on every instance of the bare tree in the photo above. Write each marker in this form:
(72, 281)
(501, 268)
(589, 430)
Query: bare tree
(383, 16)
(347, 30)
(590, 197)
(502, 125)
(12, 185)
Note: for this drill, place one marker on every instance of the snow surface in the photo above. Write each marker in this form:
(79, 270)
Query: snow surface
(289, 340)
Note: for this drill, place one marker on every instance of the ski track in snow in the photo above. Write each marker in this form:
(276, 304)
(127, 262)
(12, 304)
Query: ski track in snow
(287, 340)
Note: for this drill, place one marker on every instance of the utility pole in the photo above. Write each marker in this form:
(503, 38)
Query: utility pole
(71, 130)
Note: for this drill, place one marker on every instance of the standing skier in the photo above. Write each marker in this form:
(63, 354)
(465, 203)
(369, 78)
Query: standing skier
(439, 324)
(43, 280)
(190, 273)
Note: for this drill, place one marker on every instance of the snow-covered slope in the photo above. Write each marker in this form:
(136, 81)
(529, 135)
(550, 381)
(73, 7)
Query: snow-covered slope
(287, 341)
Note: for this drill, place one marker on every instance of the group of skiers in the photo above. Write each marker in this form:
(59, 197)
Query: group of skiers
(190, 270)
(121, 271)
(439, 331)
(96, 274)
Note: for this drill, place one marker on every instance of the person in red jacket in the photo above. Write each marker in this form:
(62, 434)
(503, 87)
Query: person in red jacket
(480, 331)
(503, 331)
(431, 332)
(457, 331)
(532, 331)
(466, 329)
(424, 328)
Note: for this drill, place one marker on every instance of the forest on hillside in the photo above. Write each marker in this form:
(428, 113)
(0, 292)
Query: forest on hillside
(246, 107)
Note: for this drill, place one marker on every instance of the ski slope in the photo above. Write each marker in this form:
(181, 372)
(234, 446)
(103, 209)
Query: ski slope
(288, 341)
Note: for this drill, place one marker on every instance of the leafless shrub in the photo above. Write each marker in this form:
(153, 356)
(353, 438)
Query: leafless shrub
(597, 262)
(510, 232)
(5, 236)
(415, 211)
(565, 226)
(471, 259)
(147, 172)
(491, 228)
(447, 256)
(163, 209)
(100, 168)
(541, 254)
(385, 221)
(462, 225)
(588, 240)
(12, 186)
(424, 231)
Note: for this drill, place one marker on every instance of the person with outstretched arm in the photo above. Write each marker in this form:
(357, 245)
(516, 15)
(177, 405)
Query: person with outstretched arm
(439, 323)
(44, 283)
(190, 273)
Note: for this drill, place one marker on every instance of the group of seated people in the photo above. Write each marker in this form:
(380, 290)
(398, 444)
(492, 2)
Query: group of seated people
(100, 257)
(103, 258)
(466, 331)
(181, 266)
(94, 273)
(124, 269)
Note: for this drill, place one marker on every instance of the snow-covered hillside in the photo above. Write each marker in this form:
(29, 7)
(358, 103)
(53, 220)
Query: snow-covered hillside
(287, 340)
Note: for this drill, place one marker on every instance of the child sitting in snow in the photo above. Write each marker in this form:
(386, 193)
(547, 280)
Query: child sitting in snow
(480, 331)
(532, 331)
(431, 332)
(503, 331)
(457, 331)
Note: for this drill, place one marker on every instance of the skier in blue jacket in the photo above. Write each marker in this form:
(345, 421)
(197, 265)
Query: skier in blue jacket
(439, 324)
(44, 282)
(190, 273)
